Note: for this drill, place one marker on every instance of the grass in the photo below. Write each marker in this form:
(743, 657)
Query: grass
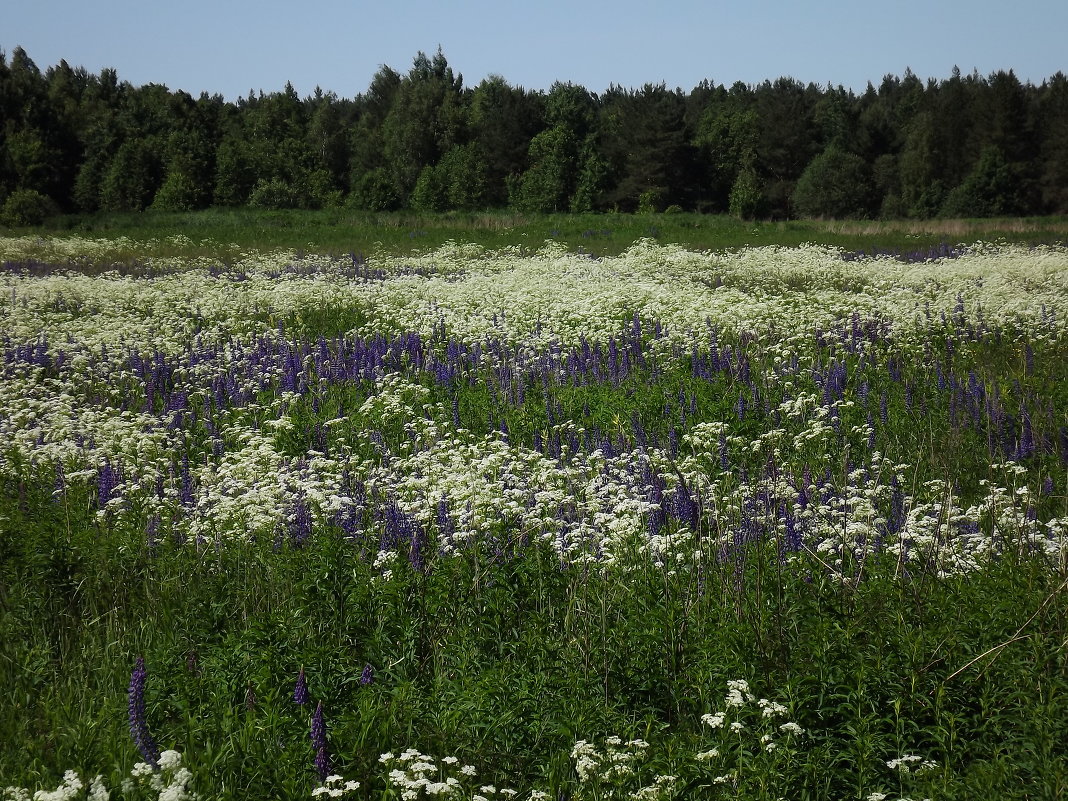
(343, 231)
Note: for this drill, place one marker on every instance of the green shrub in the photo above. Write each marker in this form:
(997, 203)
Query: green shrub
(835, 184)
(273, 193)
(747, 196)
(25, 207)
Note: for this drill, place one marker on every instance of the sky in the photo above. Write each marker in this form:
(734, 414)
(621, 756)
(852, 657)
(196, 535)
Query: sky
(230, 47)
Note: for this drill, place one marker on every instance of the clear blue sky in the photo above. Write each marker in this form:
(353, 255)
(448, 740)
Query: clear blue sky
(231, 46)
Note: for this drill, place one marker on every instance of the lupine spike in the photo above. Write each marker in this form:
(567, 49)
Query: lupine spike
(138, 724)
(300, 691)
(318, 738)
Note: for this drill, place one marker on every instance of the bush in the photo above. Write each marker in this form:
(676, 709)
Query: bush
(651, 200)
(835, 184)
(273, 193)
(25, 207)
(374, 191)
(178, 193)
(747, 197)
(990, 190)
(430, 192)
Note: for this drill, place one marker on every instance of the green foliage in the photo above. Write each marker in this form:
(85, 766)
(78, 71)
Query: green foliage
(835, 184)
(32, 161)
(727, 139)
(456, 182)
(990, 190)
(235, 173)
(747, 196)
(591, 178)
(927, 145)
(502, 120)
(651, 200)
(178, 193)
(922, 189)
(431, 190)
(26, 207)
(643, 141)
(131, 179)
(274, 193)
(374, 191)
(546, 185)
(424, 120)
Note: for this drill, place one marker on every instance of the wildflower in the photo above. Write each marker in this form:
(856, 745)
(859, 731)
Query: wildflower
(97, 790)
(318, 738)
(136, 710)
(368, 675)
(902, 763)
(300, 691)
(771, 708)
(170, 760)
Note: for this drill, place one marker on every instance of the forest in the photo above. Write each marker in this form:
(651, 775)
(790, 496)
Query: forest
(966, 146)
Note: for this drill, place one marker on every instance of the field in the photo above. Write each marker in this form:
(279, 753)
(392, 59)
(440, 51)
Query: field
(533, 520)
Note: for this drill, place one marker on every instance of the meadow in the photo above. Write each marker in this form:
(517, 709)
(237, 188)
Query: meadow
(533, 521)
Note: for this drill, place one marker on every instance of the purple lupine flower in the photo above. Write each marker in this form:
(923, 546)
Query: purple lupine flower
(300, 692)
(368, 675)
(1027, 439)
(300, 524)
(446, 525)
(318, 738)
(416, 555)
(136, 709)
(108, 479)
(322, 763)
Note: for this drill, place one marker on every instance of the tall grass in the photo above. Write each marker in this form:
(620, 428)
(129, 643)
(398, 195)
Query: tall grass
(343, 231)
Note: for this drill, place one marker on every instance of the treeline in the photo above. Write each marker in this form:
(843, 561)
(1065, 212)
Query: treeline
(966, 146)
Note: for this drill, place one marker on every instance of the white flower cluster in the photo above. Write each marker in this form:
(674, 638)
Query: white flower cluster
(417, 775)
(906, 765)
(70, 789)
(767, 731)
(613, 770)
(335, 787)
(911, 763)
(170, 783)
(549, 296)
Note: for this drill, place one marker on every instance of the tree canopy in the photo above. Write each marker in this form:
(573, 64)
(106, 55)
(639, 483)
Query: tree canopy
(969, 145)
